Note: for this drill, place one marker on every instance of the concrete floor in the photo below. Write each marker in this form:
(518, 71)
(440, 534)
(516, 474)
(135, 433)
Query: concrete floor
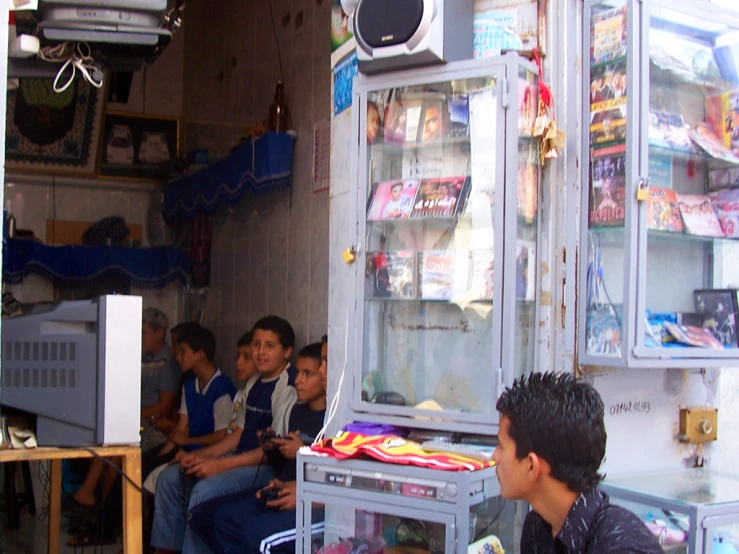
(31, 538)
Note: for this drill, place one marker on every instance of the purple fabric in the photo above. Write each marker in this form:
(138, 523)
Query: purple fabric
(374, 429)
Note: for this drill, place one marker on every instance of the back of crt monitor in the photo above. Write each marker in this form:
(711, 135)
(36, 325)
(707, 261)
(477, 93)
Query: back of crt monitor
(77, 366)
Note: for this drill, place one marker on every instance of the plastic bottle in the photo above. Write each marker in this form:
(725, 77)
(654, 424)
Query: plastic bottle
(278, 110)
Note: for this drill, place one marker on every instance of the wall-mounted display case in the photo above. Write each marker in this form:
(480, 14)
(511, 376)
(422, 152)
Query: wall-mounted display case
(446, 282)
(660, 219)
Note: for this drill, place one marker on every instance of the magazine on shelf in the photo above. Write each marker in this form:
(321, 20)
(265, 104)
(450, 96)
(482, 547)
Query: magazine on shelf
(608, 121)
(723, 178)
(482, 272)
(603, 329)
(718, 308)
(444, 274)
(703, 135)
(394, 274)
(607, 190)
(607, 35)
(726, 207)
(668, 130)
(439, 197)
(663, 213)
(692, 336)
(392, 200)
(698, 215)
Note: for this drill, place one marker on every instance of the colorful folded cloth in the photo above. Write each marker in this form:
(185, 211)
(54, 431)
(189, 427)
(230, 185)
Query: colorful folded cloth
(394, 450)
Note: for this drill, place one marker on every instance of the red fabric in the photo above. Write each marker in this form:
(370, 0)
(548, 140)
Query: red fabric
(395, 450)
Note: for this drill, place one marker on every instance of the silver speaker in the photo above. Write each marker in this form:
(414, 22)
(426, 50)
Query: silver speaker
(398, 34)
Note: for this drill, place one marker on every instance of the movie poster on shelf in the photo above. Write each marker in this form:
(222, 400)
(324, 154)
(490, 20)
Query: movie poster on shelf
(723, 178)
(719, 308)
(482, 273)
(726, 207)
(394, 275)
(608, 81)
(444, 274)
(704, 136)
(607, 188)
(698, 215)
(439, 197)
(669, 131)
(722, 114)
(663, 213)
(607, 35)
(608, 121)
(392, 200)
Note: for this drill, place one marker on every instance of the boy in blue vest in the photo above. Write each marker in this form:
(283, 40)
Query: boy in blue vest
(237, 462)
(239, 522)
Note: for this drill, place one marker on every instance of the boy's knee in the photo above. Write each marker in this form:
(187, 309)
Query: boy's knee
(169, 481)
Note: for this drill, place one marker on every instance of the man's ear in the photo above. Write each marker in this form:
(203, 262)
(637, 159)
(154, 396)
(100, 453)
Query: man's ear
(536, 467)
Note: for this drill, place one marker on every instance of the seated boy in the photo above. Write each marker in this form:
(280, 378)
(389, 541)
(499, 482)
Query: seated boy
(240, 522)
(166, 424)
(209, 473)
(205, 414)
(552, 441)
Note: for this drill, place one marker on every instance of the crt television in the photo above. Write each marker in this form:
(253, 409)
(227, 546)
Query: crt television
(76, 365)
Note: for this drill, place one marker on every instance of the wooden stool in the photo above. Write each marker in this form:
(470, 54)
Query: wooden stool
(14, 500)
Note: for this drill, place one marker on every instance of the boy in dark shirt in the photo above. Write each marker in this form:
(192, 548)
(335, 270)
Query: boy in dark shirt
(552, 441)
(239, 522)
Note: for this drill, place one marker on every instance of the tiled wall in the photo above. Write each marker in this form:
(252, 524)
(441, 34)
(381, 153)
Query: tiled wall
(270, 255)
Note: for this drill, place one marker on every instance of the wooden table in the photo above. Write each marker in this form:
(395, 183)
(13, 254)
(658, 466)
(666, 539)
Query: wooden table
(131, 455)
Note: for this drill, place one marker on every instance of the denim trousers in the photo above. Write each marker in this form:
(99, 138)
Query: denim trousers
(177, 493)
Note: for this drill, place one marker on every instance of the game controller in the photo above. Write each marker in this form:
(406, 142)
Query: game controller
(268, 495)
(268, 436)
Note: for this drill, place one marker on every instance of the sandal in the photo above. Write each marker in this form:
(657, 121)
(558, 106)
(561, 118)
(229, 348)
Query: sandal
(88, 539)
(83, 527)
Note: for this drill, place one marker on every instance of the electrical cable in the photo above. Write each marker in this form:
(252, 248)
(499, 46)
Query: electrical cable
(481, 533)
(277, 41)
(76, 56)
(115, 467)
(334, 407)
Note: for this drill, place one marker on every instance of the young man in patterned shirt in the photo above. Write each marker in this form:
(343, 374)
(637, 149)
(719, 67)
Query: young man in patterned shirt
(552, 441)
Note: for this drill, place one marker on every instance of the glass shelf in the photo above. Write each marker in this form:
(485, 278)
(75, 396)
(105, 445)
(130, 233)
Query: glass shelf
(687, 156)
(400, 147)
(617, 235)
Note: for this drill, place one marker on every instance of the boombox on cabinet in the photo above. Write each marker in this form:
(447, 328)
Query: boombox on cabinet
(398, 34)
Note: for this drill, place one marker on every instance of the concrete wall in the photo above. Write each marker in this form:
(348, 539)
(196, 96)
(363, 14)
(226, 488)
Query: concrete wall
(270, 255)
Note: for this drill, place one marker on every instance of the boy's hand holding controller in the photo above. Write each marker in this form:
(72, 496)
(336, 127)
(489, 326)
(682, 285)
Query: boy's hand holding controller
(289, 445)
(267, 439)
(278, 496)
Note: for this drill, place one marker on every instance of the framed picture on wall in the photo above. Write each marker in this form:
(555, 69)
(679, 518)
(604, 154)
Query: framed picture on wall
(50, 132)
(137, 146)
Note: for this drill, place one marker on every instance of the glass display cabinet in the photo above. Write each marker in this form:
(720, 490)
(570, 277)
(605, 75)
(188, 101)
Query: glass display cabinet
(660, 217)
(448, 195)
(359, 506)
(691, 510)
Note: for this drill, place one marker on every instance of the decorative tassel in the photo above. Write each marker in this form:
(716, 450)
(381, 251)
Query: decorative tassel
(551, 138)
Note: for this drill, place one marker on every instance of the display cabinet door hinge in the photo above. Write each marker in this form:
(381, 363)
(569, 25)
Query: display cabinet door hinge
(504, 91)
(499, 385)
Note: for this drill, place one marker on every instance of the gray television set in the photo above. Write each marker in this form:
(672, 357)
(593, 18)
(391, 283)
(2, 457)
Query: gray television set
(76, 365)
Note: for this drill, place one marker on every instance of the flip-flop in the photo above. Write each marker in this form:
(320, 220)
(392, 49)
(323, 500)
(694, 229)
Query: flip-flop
(87, 539)
(83, 527)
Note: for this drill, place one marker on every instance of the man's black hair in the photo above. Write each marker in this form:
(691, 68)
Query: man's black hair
(199, 338)
(245, 340)
(560, 420)
(312, 351)
(280, 327)
(183, 328)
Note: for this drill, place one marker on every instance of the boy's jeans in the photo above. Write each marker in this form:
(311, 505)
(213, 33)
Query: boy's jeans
(175, 495)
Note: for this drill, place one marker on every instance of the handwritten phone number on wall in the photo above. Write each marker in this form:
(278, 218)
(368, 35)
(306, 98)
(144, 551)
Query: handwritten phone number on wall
(641, 407)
